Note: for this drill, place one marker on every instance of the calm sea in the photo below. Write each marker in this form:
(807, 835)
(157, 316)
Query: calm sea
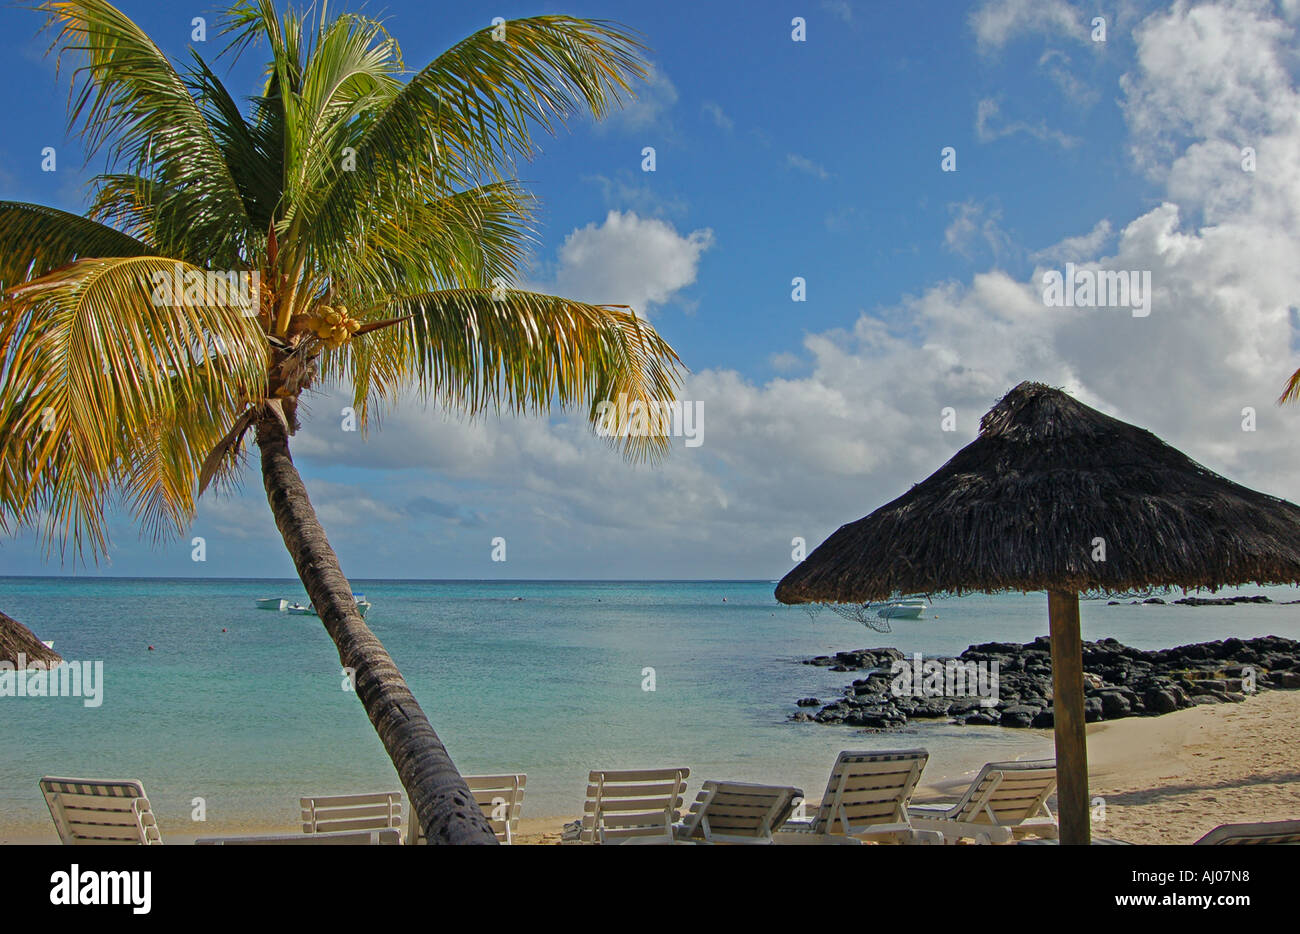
(245, 709)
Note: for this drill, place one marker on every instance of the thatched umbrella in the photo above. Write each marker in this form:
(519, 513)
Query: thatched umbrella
(1055, 496)
(16, 639)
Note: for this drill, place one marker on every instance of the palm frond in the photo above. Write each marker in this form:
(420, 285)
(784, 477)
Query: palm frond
(470, 238)
(1291, 392)
(471, 112)
(128, 97)
(35, 239)
(478, 350)
(97, 367)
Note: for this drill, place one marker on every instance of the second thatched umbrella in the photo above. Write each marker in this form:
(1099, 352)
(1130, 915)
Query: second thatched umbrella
(1053, 495)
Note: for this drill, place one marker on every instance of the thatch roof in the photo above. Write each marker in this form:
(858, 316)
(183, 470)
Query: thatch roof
(16, 638)
(1020, 506)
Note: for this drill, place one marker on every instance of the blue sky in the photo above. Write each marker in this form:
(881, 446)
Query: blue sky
(818, 159)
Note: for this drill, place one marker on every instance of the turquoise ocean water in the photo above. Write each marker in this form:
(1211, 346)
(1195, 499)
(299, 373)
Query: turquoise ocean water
(253, 717)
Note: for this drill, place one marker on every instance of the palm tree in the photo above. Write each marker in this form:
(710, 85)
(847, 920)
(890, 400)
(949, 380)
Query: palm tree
(371, 227)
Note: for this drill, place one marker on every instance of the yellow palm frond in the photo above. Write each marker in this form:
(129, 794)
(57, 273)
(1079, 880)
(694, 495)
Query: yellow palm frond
(479, 350)
(99, 359)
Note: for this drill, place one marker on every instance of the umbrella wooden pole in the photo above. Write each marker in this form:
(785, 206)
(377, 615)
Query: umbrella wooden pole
(1067, 707)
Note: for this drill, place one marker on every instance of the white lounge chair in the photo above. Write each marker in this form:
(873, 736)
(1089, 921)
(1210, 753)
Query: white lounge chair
(632, 806)
(738, 812)
(342, 813)
(866, 799)
(1006, 802)
(1272, 832)
(100, 811)
(501, 797)
(387, 836)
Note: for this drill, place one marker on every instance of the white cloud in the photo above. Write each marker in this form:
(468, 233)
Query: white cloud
(1210, 81)
(1077, 249)
(629, 260)
(655, 97)
(973, 223)
(987, 127)
(718, 116)
(839, 9)
(627, 191)
(807, 166)
(1057, 66)
(998, 22)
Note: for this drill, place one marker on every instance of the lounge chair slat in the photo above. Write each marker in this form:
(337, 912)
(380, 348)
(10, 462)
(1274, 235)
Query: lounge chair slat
(641, 790)
(647, 805)
(350, 801)
(624, 776)
(323, 815)
(100, 811)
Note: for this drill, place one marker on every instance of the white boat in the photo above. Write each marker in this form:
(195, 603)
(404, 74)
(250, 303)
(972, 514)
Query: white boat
(48, 643)
(272, 603)
(297, 609)
(902, 609)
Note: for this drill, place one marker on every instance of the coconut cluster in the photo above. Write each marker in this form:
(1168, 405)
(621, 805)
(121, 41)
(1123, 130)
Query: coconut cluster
(332, 325)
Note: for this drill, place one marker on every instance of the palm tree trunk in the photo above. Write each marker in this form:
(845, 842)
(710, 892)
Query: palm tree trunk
(436, 791)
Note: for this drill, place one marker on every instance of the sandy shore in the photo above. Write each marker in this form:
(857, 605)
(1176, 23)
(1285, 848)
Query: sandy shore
(1172, 779)
(1166, 779)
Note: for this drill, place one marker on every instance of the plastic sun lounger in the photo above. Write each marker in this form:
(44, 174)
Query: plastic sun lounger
(501, 797)
(1271, 832)
(738, 812)
(342, 813)
(91, 811)
(388, 836)
(1005, 802)
(866, 799)
(631, 806)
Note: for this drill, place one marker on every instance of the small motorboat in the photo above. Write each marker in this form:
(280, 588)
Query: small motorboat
(272, 603)
(902, 609)
(297, 609)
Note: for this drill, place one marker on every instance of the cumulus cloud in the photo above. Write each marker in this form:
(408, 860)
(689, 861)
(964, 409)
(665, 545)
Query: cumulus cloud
(1075, 249)
(629, 260)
